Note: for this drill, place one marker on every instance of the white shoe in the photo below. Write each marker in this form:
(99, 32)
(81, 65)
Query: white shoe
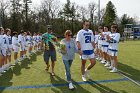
(71, 86)
(83, 78)
(21, 59)
(16, 61)
(114, 70)
(4, 71)
(110, 68)
(103, 62)
(86, 73)
(107, 64)
(0, 74)
(100, 59)
(97, 58)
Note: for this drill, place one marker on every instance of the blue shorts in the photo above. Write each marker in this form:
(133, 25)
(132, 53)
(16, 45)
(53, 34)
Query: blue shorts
(48, 54)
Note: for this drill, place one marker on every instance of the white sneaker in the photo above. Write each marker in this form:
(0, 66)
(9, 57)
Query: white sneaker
(83, 78)
(97, 58)
(16, 61)
(21, 59)
(71, 86)
(107, 64)
(0, 74)
(114, 70)
(86, 73)
(103, 62)
(110, 68)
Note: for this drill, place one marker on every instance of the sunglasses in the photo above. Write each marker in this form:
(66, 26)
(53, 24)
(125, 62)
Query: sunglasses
(69, 35)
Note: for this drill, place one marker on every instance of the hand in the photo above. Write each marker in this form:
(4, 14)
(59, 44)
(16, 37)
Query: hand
(108, 37)
(101, 34)
(80, 52)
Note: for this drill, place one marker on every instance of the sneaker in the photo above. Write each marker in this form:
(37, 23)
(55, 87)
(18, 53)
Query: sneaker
(21, 59)
(71, 86)
(83, 78)
(100, 59)
(86, 73)
(52, 74)
(97, 58)
(0, 74)
(107, 64)
(110, 68)
(47, 68)
(114, 70)
(103, 62)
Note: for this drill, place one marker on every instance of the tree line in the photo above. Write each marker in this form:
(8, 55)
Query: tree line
(21, 15)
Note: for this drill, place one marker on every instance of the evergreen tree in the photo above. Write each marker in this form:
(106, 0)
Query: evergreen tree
(110, 14)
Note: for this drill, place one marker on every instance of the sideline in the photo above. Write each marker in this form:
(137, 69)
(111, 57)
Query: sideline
(61, 85)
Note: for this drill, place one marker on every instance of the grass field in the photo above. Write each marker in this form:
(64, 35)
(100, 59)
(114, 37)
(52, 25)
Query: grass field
(30, 76)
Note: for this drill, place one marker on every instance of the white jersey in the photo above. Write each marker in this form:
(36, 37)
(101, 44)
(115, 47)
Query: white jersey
(104, 42)
(29, 39)
(21, 39)
(39, 38)
(115, 41)
(25, 41)
(96, 38)
(10, 42)
(6, 41)
(1, 42)
(85, 38)
(99, 40)
(15, 42)
(35, 38)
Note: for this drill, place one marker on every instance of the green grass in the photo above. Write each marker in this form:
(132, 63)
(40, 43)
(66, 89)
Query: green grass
(31, 72)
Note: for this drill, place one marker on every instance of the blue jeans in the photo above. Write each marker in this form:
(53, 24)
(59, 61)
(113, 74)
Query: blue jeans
(67, 64)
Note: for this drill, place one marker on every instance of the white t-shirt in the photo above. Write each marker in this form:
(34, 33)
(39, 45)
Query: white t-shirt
(115, 41)
(85, 38)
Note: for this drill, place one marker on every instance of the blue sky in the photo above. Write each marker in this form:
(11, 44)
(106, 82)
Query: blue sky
(130, 7)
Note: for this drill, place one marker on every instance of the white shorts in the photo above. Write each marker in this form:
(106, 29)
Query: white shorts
(9, 52)
(35, 43)
(22, 48)
(99, 46)
(85, 57)
(16, 49)
(105, 49)
(26, 48)
(3, 52)
(112, 53)
(30, 44)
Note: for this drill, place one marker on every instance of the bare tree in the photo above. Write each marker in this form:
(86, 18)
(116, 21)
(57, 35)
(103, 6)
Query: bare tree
(51, 9)
(102, 13)
(4, 4)
(83, 13)
(92, 7)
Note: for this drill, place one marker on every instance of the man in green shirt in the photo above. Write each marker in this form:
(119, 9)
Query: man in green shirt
(50, 50)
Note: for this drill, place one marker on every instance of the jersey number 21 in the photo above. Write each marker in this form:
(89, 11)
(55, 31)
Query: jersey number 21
(87, 39)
